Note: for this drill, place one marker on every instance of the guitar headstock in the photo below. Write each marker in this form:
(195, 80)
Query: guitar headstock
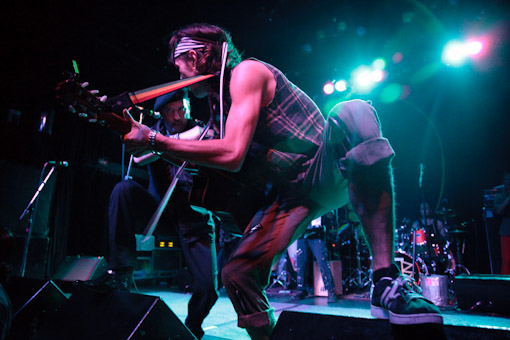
(79, 100)
(83, 102)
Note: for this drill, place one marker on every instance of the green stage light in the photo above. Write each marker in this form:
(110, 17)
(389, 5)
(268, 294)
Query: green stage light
(379, 64)
(391, 93)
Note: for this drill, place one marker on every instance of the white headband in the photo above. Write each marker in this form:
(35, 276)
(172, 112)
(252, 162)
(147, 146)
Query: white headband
(187, 44)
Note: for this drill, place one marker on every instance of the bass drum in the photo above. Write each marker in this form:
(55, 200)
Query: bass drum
(405, 264)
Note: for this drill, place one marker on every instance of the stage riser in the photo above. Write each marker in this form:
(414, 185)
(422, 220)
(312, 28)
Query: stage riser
(483, 293)
(298, 326)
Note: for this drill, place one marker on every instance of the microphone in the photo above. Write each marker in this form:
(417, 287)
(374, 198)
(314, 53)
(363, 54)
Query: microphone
(63, 164)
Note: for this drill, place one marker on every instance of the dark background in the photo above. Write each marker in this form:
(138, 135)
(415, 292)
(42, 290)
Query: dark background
(453, 121)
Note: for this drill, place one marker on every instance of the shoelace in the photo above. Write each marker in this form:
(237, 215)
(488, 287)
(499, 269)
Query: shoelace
(409, 288)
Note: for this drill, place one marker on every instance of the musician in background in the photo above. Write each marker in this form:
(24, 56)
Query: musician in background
(430, 223)
(432, 240)
(502, 205)
(313, 240)
(132, 206)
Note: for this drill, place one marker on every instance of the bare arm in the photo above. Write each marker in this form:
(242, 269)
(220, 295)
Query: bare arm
(191, 134)
(251, 88)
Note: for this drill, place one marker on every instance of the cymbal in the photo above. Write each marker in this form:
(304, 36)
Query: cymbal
(457, 231)
(447, 212)
(338, 229)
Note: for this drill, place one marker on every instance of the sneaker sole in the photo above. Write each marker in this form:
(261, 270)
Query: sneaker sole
(379, 312)
(399, 319)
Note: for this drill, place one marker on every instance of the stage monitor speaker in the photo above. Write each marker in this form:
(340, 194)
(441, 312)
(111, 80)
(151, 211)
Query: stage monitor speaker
(79, 268)
(114, 316)
(33, 303)
(484, 293)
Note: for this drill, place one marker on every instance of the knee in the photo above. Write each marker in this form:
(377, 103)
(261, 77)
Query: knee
(359, 118)
(227, 274)
(346, 110)
(233, 275)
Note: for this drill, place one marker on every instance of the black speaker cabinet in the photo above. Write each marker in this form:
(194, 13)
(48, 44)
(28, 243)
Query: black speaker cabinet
(117, 315)
(79, 268)
(33, 302)
(484, 293)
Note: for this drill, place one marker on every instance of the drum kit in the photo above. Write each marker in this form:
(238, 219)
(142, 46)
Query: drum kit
(429, 260)
(433, 254)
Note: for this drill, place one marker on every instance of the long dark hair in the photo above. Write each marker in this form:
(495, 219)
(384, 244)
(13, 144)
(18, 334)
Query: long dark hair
(210, 56)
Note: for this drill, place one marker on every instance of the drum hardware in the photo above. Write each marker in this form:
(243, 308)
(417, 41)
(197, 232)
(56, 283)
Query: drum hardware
(401, 238)
(408, 266)
(361, 281)
(436, 283)
(358, 278)
(446, 213)
(413, 231)
(435, 288)
(460, 242)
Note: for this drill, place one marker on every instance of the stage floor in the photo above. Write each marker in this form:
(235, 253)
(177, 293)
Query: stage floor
(222, 321)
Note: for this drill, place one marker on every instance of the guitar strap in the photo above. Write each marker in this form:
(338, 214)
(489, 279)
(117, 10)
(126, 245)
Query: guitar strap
(127, 99)
(159, 90)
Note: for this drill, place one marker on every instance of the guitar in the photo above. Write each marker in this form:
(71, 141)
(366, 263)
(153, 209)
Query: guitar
(233, 197)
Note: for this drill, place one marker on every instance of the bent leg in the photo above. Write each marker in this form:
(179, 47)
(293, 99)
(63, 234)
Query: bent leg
(365, 158)
(130, 209)
(371, 194)
(247, 273)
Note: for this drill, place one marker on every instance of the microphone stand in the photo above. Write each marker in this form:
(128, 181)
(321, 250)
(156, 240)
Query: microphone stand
(31, 207)
(488, 238)
(422, 213)
(414, 250)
